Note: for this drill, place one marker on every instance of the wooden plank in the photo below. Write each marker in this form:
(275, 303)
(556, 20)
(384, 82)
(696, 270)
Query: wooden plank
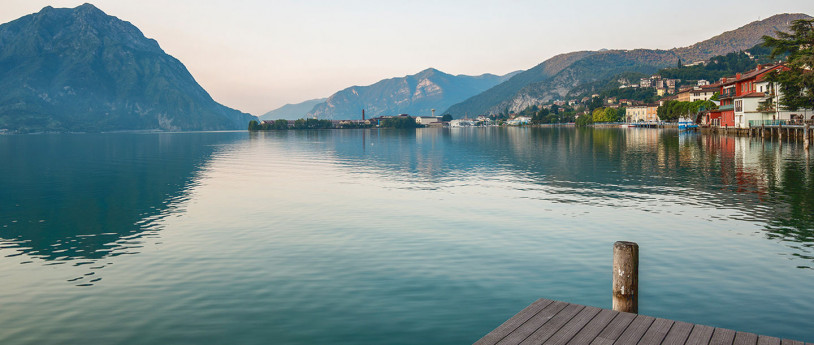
(592, 329)
(614, 329)
(743, 338)
(547, 322)
(636, 330)
(546, 331)
(570, 329)
(678, 334)
(657, 331)
(791, 342)
(700, 335)
(510, 325)
(766, 340)
(532, 324)
(722, 336)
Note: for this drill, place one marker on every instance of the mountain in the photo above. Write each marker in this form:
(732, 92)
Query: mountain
(554, 78)
(414, 94)
(79, 69)
(292, 111)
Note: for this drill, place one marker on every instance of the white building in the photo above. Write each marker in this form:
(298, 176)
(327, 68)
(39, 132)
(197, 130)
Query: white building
(426, 120)
(761, 107)
(520, 120)
(461, 123)
(703, 93)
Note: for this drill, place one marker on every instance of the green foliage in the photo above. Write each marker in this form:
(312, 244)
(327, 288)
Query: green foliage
(399, 122)
(312, 124)
(280, 124)
(610, 88)
(796, 84)
(446, 118)
(584, 121)
(283, 125)
(542, 116)
(605, 115)
(672, 110)
(720, 66)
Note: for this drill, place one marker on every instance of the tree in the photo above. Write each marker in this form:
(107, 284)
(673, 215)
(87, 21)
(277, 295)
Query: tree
(796, 83)
(254, 125)
(446, 118)
(584, 120)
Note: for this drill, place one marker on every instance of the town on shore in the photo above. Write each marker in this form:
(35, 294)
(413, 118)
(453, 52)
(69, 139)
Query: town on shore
(743, 101)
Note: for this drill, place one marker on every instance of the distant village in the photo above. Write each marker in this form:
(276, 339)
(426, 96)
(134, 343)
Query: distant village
(745, 100)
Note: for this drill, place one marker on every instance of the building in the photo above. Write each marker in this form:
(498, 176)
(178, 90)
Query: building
(520, 120)
(742, 95)
(642, 113)
(703, 93)
(696, 93)
(426, 120)
(684, 94)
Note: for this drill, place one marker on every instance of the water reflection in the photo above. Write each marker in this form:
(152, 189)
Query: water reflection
(82, 198)
(769, 181)
(637, 169)
(77, 199)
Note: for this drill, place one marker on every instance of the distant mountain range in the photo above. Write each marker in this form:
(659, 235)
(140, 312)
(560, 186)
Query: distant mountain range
(82, 70)
(414, 94)
(554, 78)
(292, 111)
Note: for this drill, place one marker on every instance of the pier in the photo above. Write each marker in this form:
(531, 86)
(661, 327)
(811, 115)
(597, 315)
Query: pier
(560, 323)
(780, 129)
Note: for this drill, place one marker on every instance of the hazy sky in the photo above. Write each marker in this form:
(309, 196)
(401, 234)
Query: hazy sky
(257, 55)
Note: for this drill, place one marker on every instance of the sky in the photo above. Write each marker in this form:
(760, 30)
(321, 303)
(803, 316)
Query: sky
(257, 55)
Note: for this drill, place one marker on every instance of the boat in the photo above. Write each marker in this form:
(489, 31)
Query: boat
(686, 124)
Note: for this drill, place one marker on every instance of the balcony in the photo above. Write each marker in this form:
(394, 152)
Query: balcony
(726, 107)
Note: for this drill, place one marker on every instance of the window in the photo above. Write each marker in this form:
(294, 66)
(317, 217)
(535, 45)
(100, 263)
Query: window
(739, 105)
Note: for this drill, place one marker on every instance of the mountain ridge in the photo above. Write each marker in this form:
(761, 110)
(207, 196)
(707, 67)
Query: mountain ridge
(79, 69)
(415, 94)
(534, 88)
(292, 111)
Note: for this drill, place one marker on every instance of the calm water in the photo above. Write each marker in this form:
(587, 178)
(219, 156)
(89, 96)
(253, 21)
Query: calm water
(392, 237)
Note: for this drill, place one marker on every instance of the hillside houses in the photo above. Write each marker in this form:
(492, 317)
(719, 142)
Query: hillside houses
(749, 100)
(698, 93)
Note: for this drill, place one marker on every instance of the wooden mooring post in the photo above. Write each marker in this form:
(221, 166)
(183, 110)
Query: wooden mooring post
(806, 134)
(626, 277)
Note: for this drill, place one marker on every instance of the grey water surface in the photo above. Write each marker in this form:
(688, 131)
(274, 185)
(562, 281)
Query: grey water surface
(427, 236)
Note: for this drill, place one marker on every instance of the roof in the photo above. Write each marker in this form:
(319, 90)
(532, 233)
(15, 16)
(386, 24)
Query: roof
(756, 73)
(752, 95)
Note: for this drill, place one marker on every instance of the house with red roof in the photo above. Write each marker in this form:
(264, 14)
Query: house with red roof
(749, 100)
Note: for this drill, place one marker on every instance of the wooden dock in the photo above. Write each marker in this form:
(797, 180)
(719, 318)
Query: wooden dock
(553, 322)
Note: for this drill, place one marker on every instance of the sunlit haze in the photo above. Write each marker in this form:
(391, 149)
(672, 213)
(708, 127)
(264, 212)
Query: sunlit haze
(258, 55)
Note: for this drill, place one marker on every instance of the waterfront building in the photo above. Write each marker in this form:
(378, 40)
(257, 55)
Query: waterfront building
(426, 120)
(520, 120)
(642, 113)
(748, 99)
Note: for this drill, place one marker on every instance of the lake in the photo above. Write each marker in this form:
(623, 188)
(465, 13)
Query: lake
(428, 236)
